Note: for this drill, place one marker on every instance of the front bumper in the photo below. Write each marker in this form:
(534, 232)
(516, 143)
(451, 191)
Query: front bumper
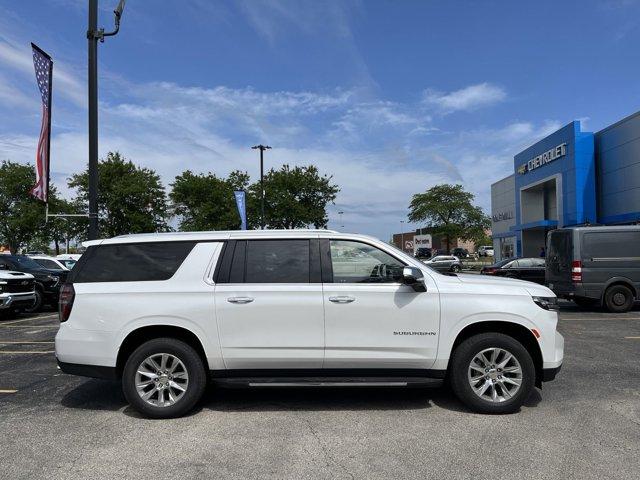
(16, 300)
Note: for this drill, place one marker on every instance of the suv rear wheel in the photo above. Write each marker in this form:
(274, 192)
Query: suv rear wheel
(618, 299)
(164, 378)
(492, 373)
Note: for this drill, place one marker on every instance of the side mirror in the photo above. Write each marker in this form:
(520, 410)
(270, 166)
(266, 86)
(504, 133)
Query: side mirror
(413, 277)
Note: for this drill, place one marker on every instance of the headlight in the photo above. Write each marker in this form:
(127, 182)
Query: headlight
(548, 303)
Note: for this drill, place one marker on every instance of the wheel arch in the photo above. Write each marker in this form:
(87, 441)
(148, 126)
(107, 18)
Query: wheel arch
(140, 335)
(619, 281)
(515, 330)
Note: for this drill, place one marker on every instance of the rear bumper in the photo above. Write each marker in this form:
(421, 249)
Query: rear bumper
(549, 374)
(93, 371)
(572, 290)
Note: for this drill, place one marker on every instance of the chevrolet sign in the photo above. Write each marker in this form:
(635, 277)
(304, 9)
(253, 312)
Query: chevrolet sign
(544, 158)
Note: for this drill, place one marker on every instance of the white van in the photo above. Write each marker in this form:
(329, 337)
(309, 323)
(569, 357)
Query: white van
(166, 312)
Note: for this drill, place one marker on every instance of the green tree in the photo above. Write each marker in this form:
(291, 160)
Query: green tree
(449, 212)
(207, 202)
(294, 198)
(21, 215)
(61, 230)
(131, 199)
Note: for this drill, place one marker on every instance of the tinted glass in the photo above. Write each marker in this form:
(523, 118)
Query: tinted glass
(611, 244)
(539, 262)
(45, 262)
(137, 262)
(25, 263)
(277, 261)
(525, 263)
(355, 262)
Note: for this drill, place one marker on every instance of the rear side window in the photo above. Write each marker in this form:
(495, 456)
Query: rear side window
(131, 262)
(277, 261)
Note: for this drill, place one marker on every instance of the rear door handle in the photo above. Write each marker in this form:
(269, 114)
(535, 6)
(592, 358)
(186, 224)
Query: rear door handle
(239, 299)
(342, 299)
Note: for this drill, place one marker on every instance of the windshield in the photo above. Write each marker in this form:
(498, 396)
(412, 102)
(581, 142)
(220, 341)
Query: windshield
(25, 262)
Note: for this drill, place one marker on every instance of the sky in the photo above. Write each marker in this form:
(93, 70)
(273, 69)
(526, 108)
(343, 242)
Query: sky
(388, 97)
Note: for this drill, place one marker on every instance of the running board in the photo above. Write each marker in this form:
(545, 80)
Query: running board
(327, 382)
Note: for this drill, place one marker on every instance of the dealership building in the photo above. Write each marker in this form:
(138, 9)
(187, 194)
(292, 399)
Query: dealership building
(569, 178)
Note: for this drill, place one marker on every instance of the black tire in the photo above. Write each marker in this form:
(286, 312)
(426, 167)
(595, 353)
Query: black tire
(618, 299)
(455, 268)
(37, 303)
(193, 365)
(459, 367)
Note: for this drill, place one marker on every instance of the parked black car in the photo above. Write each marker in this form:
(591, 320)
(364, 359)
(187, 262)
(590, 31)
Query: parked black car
(530, 269)
(460, 252)
(595, 265)
(423, 252)
(48, 282)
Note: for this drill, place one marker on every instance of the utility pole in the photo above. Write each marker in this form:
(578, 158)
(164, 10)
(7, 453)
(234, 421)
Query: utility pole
(341, 224)
(402, 234)
(93, 36)
(262, 148)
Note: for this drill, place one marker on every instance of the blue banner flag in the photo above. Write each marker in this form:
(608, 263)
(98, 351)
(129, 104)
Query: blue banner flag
(242, 208)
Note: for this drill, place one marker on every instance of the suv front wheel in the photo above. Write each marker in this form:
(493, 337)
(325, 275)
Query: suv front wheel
(492, 373)
(164, 378)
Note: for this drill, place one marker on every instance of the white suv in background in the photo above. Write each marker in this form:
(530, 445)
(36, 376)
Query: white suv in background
(166, 312)
(485, 251)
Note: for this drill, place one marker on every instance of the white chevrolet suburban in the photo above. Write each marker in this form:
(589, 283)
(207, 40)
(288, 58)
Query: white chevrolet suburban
(167, 312)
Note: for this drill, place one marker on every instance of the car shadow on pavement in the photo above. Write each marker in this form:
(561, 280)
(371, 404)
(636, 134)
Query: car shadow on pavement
(94, 394)
(106, 395)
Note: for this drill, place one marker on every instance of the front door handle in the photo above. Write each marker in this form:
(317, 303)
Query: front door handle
(239, 299)
(342, 299)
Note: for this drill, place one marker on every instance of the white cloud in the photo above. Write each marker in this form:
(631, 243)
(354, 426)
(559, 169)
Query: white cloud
(468, 98)
(19, 58)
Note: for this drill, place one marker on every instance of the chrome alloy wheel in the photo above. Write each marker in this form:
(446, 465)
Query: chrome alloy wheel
(495, 375)
(161, 380)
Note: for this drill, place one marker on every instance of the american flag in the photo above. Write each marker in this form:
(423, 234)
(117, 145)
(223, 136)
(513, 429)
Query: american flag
(44, 67)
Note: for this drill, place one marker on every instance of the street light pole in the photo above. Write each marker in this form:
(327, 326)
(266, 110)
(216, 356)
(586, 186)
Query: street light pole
(93, 36)
(262, 148)
(341, 224)
(402, 234)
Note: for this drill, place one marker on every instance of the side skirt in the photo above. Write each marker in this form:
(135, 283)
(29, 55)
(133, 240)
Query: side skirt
(328, 378)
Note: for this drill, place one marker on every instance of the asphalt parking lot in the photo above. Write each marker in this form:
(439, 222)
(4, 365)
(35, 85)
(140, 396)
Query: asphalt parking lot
(584, 425)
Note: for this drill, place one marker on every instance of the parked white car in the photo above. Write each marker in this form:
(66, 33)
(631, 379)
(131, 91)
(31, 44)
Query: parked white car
(164, 312)
(51, 263)
(17, 291)
(485, 251)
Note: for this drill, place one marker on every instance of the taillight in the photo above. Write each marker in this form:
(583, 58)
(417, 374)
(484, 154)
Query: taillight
(65, 302)
(489, 270)
(576, 271)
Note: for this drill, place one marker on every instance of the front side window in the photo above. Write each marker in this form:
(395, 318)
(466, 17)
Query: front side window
(277, 261)
(355, 262)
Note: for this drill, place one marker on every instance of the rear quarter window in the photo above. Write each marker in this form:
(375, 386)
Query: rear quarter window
(131, 262)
